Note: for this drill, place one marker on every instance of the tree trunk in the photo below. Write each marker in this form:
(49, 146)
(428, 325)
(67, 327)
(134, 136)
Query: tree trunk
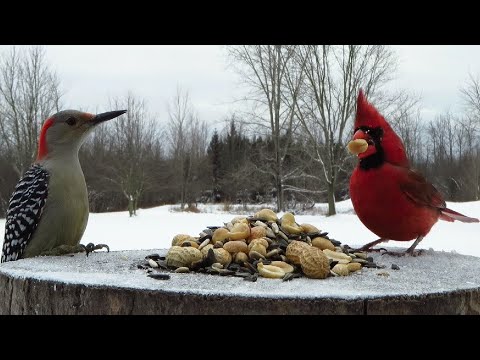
(135, 205)
(280, 202)
(331, 198)
(130, 205)
(182, 194)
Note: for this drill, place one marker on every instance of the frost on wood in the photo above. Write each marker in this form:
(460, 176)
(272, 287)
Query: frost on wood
(111, 283)
(433, 272)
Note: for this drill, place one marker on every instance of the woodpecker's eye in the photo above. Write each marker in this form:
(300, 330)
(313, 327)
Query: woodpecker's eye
(71, 121)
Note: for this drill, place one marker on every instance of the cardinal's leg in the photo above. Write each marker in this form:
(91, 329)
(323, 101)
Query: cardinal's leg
(410, 251)
(367, 247)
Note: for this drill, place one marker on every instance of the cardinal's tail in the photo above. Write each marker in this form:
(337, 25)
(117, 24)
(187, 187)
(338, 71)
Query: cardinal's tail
(450, 215)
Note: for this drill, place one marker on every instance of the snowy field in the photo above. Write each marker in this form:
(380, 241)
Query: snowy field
(154, 228)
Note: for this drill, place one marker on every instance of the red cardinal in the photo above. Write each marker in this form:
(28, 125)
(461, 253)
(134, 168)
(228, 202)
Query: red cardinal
(390, 199)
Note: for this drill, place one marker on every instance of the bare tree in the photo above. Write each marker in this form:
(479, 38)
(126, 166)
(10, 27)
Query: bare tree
(470, 94)
(29, 93)
(451, 156)
(274, 80)
(468, 133)
(404, 116)
(132, 139)
(333, 76)
(188, 143)
(468, 140)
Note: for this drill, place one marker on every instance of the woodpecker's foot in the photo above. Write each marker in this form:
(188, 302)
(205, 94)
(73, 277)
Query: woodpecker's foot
(63, 250)
(91, 247)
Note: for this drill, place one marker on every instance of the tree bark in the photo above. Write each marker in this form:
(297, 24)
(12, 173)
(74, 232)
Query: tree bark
(331, 199)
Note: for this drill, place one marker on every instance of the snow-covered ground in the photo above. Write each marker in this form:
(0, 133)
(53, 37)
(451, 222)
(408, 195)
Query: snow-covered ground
(154, 228)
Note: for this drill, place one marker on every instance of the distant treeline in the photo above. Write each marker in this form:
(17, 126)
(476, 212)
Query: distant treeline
(289, 149)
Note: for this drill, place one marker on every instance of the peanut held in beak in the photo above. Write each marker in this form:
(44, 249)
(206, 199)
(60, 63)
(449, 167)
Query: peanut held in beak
(357, 146)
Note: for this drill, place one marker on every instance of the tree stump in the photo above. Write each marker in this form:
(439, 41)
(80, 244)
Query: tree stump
(111, 283)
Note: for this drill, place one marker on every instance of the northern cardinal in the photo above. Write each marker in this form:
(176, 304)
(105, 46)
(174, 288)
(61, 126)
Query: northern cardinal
(391, 200)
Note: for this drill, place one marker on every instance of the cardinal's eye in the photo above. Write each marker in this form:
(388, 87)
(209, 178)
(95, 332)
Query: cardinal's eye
(365, 129)
(71, 121)
(376, 133)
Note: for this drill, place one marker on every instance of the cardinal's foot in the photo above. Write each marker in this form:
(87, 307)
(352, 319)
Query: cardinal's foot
(415, 252)
(404, 253)
(63, 250)
(370, 249)
(91, 247)
(370, 245)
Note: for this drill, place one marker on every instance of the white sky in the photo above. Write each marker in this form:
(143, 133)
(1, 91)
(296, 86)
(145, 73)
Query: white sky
(90, 74)
(436, 73)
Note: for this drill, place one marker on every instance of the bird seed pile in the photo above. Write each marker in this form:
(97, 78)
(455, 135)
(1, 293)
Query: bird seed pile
(259, 245)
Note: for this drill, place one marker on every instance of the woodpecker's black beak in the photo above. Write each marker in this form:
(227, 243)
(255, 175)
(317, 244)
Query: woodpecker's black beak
(99, 118)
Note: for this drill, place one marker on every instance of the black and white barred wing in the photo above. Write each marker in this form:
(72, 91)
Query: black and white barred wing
(24, 212)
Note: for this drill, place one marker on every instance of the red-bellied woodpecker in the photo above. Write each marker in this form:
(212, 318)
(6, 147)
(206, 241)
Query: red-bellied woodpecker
(48, 211)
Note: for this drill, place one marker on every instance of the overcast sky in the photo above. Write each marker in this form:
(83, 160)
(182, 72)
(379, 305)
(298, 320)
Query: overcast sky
(92, 74)
(436, 73)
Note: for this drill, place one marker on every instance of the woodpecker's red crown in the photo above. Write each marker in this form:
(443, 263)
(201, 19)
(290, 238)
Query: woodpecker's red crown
(68, 128)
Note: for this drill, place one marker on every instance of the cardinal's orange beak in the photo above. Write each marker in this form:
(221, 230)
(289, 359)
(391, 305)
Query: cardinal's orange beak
(357, 146)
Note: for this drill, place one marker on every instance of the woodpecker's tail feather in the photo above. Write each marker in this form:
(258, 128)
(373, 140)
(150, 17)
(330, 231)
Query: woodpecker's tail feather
(450, 215)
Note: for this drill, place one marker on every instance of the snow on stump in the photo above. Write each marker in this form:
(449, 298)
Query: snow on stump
(111, 283)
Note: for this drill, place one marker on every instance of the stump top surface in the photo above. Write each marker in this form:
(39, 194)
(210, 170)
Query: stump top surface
(431, 273)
